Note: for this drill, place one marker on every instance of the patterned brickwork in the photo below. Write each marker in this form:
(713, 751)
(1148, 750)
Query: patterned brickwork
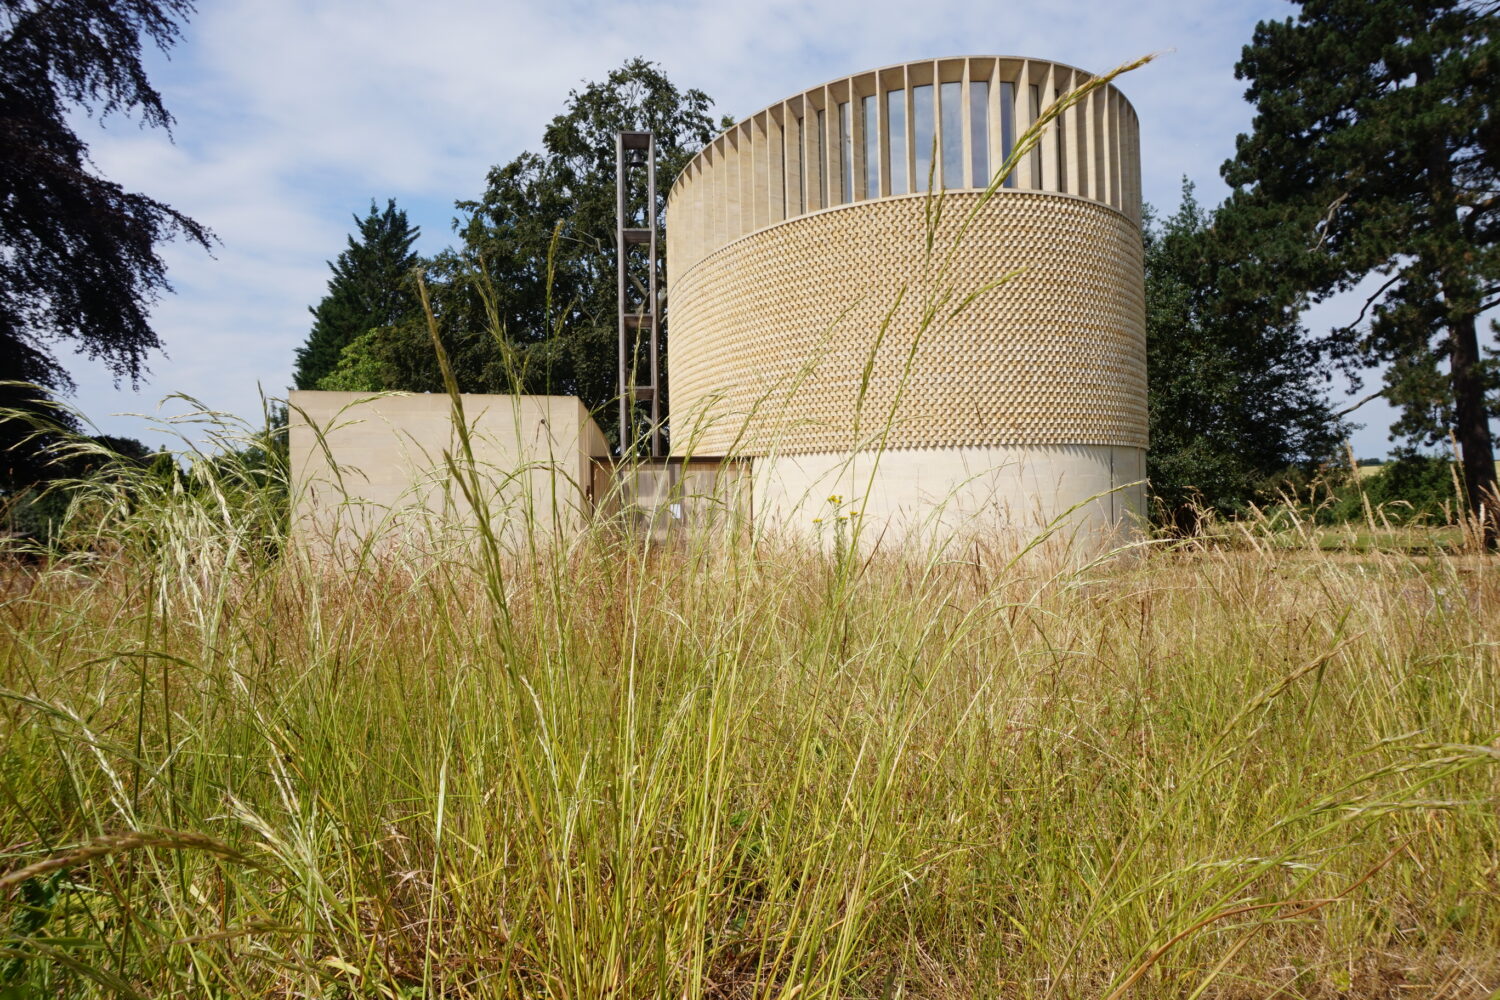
(777, 342)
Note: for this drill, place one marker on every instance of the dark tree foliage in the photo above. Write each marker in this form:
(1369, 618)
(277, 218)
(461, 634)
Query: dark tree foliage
(508, 231)
(545, 220)
(27, 450)
(1234, 390)
(371, 287)
(1376, 152)
(78, 254)
(35, 510)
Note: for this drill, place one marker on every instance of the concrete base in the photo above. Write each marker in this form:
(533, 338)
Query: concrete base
(1090, 496)
(371, 471)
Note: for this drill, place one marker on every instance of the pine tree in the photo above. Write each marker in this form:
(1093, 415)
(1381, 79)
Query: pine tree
(371, 288)
(1376, 152)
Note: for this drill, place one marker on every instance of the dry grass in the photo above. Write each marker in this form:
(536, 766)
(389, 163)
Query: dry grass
(747, 771)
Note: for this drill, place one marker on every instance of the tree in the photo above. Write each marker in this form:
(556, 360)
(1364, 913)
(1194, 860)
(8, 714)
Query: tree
(1234, 392)
(78, 253)
(371, 287)
(527, 299)
(36, 508)
(570, 188)
(1410, 488)
(1376, 152)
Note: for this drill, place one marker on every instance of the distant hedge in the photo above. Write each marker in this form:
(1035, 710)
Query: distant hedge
(1411, 488)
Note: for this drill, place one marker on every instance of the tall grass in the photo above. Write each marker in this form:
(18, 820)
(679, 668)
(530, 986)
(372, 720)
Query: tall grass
(741, 771)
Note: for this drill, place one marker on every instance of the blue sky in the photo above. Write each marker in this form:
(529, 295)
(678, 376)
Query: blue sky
(292, 116)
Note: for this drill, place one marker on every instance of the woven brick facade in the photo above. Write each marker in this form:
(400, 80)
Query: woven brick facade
(839, 325)
(772, 334)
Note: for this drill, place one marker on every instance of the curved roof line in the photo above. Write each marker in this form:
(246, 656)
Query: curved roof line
(881, 69)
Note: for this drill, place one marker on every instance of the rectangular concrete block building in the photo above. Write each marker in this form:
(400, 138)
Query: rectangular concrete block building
(375, 469)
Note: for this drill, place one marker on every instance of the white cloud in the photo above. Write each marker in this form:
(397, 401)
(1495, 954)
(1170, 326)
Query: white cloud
(293, 115)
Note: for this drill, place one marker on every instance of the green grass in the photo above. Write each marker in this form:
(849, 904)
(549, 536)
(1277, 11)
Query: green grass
(1352, 537)
(741, 770)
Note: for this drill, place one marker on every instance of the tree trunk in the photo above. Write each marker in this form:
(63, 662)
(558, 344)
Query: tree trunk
(1472, 428)
(1471, 417)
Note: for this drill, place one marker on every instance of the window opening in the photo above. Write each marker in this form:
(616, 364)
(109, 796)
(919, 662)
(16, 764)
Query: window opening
(822, 160)
(953, 134)
(895, 133)
(924, 131)
(979, 130)
(1062, 148)
(846, 152)
(786, 161)
(801, 173)
(1036, 151)
(1008, 126)
(1083, 148)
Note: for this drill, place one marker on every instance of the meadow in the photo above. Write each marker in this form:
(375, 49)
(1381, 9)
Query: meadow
(739, 767)
(735, 765)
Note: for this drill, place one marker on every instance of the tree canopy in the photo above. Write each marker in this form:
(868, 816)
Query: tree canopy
(79, 259)
(527, 297)
(1235, 389)
(371, 287)
(1375, 156)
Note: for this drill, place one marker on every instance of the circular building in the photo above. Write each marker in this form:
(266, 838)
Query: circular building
(854, 313)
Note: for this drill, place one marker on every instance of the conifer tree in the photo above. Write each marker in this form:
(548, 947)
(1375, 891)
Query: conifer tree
(371, 288)
(1375, 154)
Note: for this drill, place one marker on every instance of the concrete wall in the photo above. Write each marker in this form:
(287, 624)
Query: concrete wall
(941, 494)
(372, 468)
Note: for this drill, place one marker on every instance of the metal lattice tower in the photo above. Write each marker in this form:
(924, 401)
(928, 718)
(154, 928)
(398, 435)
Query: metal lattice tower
(636, 203)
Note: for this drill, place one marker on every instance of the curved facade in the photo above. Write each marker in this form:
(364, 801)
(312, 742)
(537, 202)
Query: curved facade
(826, 308)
